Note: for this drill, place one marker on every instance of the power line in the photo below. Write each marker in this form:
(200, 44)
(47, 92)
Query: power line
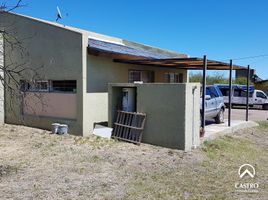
(248, 57)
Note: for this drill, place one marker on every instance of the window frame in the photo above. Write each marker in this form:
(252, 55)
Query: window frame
(150, 76)
(36, 86)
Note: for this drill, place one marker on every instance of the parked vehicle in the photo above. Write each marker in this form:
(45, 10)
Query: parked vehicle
(239, 96)
(214, 104)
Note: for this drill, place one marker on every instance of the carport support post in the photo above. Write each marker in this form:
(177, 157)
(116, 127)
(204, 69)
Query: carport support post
(204, 94)
(248, 78)
(230, 93)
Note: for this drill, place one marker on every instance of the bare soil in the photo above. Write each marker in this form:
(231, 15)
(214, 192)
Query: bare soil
(35, 164)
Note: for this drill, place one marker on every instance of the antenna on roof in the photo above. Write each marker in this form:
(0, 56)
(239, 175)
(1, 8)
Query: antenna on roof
(59, 16)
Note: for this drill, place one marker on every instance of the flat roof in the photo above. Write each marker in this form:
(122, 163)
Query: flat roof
(183, 63)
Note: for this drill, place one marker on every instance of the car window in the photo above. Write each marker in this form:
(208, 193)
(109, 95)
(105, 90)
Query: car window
(213, 92)
(208, 91)
(219, 91)
(261, 95)
(224, 91)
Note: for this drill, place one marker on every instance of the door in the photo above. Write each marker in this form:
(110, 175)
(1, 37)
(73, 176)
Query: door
(260, 98)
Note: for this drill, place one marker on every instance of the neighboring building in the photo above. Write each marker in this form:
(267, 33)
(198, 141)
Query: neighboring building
(244, 74)
(262, 85)
(70, 72)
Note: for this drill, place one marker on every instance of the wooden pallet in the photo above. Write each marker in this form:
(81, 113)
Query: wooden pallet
(129, 126)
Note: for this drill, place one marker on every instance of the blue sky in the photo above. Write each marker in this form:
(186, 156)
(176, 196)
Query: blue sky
(220, 29)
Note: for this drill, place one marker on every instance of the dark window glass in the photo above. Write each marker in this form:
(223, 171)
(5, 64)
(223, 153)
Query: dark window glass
(63, 86)
(180, 78)
(224, 91)
(208, 91)
(261, 95)
(213, 92)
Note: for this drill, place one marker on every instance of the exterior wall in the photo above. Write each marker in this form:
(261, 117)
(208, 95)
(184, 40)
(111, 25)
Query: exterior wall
(54, 53)
(244, 74)
(102, 71)
(2, 110)
(57, 105)
(173, 113)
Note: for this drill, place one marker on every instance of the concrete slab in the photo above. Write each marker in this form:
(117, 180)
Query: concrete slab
(214, 131)
(254, 114)
(103, 131)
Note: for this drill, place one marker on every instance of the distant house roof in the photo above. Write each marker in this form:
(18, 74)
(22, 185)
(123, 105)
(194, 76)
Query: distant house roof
(262, 81)
(114, 50)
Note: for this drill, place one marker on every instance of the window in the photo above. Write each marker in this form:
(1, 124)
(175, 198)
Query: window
(261, 95)
(138, 75)
(48, 86)
(34, 86)
(41, 86)
(224, 91)
(212, 92)
(174, 77)
(208, 91)
(63, 86)
(241, 93)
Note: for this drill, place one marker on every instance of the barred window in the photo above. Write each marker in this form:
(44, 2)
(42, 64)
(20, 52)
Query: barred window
(34, 86)
(48, 86)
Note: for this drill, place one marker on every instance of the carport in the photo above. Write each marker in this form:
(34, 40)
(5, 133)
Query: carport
(203, 64)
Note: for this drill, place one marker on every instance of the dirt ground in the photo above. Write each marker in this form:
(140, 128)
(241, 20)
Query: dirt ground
(37, 165)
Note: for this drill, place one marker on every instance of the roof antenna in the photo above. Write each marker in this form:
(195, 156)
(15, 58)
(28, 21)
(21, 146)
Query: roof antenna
(59, 16)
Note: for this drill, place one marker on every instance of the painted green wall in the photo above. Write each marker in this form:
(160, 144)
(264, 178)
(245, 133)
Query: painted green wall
(102, 71)
(54, 53)
(173, 112)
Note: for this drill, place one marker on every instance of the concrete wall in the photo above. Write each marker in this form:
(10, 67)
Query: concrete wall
(173, 113)
(2, 111)
(56, 105)
(102, 71)
(54, 53)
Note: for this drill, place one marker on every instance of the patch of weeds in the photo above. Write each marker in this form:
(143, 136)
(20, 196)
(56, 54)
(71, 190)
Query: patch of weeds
(231, 147)
(95, 158)
(6, 170)
(38, 145)
(263, 125)
(212, 148)
(94, 141)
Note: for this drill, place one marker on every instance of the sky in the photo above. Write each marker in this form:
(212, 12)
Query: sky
(220, 29)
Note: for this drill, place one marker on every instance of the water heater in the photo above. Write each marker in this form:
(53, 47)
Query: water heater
(128, 101)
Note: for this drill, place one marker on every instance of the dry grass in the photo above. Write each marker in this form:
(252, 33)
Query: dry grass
(37, 165)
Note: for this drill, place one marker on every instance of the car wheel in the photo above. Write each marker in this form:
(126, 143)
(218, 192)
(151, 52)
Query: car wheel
(265, 107)
(220, 117)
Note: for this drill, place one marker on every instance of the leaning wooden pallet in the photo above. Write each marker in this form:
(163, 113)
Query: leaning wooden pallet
(129, 126)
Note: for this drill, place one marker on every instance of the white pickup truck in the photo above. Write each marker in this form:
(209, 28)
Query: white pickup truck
(239, 96)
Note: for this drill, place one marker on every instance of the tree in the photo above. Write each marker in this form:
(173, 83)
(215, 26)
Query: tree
(216, 78)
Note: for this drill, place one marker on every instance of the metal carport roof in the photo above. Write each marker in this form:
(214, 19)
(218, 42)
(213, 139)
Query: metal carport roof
(183, 63)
